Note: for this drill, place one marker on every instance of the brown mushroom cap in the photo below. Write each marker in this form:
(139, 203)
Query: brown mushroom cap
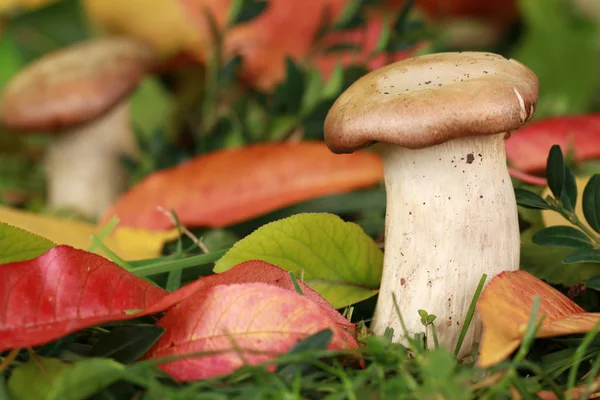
(75, 84)
(427, 100)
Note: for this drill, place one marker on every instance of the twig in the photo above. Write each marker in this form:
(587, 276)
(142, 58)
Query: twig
(185, 230)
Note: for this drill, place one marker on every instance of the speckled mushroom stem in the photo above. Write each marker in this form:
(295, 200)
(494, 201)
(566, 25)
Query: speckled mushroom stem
(84, 168)
(451, 217)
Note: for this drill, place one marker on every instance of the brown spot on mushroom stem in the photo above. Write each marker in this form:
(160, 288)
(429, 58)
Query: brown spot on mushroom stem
(402, 281)
(470, 158)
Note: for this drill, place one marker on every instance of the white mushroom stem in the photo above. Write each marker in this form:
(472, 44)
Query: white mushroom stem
(85, 172)
(451, 217)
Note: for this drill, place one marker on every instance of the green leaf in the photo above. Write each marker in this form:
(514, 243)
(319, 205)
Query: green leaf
(318, 341)
(593, 283)
(547, 262)
(288, 94)
(528, 199)
(312, 91)
(569, 194)
(560, 46)
(591, 202)
(126, 344)
(12, 61)
(246, 10)
(335, 258)
(334, 85)
(150, 106)
(562, 236)
(347, 19)
(51, 379)
(17, 244)
(555, 171)
(583, 256)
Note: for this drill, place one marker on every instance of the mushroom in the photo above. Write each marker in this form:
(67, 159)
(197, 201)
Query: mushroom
(81, 94)
(439, 122)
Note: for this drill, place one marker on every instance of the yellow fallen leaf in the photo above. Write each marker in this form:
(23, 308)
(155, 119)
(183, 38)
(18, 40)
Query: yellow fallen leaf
(127, 243)
(505, 306)
(163, 24)
(552, 218)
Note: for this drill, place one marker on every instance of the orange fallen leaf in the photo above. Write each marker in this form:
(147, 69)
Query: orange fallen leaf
(246, 324)
(505, 306)
(127, 243)
(228, 186)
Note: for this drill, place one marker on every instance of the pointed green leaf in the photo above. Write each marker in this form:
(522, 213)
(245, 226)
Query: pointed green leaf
(246, 10)
(528, 199)
(335, 258)
(126, 344)
(555, 171)
(52, 379)
(562, 236)
(17, 244)
(593, 283)
(569, 193)
(334, 85)
(591, 202)
(583, 256)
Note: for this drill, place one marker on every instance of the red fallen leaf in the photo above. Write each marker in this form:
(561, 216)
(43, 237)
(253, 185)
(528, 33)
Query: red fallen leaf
(528, 148)
(239, 320)
(65, 290)
(260, 272)
(505, 306)
(229, 186)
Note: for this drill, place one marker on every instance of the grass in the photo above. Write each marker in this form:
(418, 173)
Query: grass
(388, 371)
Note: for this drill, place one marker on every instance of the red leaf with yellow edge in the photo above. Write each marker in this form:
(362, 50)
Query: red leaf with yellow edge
(505, 306)
(65, 290)
(230, 186)
(260, 272)
(528, 148)
(246, 324)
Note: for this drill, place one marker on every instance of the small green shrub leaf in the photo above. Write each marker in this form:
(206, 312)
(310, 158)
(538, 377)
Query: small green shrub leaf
(562, 236)
(52, 379)
(555, 171)
(569, 193)
(528, 199)
(17, 244)
(593, 283)
(246, 10)
(591, 202)
(583, 256)
(335, 258)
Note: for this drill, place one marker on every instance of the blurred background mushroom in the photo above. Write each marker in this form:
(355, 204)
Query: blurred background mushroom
(80, 96)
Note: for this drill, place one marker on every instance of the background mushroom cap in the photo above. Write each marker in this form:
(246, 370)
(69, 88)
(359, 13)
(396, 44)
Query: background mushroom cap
(74, 85)
(427, 100)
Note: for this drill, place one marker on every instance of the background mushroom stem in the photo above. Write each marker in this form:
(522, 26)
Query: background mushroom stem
(84, 166)
(451, 217)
